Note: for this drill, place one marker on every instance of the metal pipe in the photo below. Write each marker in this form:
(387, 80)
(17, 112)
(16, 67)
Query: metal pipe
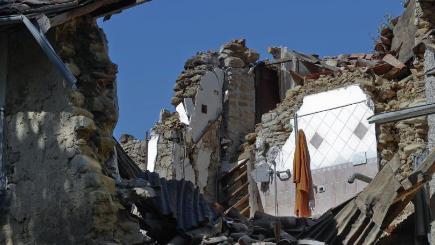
(12, 19)
(49, 51)
(386, 117)
(295, 127)
(276, 188)
(359, 176)
(333, 108)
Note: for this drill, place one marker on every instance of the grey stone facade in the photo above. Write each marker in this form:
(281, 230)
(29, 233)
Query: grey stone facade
(136, 149)
(58, 141)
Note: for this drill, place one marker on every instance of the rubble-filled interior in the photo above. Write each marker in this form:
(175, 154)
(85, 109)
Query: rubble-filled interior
(220, 166)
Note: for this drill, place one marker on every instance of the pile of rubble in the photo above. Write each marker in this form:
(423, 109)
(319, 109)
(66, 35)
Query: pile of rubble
(174, 212)
(235, 54)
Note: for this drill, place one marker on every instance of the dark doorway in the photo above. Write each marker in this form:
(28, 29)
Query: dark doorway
(266, 90)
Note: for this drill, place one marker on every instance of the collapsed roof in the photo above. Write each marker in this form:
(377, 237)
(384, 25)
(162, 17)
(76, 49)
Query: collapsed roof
(60, 11)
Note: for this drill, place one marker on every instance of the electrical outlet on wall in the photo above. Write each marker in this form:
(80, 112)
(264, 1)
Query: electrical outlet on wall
(321, 189)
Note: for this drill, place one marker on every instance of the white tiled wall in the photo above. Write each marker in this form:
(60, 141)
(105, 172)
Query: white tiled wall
(340, 143)
(334, 136)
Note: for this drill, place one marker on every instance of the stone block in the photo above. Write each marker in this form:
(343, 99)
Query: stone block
(83, 163)
(234, 62)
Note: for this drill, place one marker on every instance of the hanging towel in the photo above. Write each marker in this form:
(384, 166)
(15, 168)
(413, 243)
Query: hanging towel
(302, 177)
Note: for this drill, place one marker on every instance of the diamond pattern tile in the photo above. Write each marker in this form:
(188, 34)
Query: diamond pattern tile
(360, 131)
(316, 140)
(337, 136)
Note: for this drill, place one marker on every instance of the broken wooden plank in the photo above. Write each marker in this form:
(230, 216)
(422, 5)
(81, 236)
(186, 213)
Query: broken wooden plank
(357, 56)
(229, 185)
(381, 69)
(232, 194)
(82, 10)
(363, 219)
(243, 200)
(298, 79)
(235, 168)
(245, 211)
(393, 61)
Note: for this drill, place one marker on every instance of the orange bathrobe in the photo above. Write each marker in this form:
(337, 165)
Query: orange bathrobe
(302, 177)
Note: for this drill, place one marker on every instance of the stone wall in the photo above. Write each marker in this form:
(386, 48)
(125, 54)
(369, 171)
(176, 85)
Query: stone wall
(167, 159)
(58, 140)
(187, 83)
(239, 112)
(136, 149)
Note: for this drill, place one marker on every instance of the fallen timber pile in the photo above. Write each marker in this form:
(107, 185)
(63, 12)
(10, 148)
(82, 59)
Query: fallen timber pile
(360, 220)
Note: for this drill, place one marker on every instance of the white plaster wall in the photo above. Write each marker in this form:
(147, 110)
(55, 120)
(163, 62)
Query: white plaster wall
(178, 158)
(182, 114)
(209, 94)
(187, 173)
(189, 106)
(183, 166)
(203, 161)
(152, 152)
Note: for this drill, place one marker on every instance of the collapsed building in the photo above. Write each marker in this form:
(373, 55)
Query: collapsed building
(65, 179)
(274, 95)
(238, 105)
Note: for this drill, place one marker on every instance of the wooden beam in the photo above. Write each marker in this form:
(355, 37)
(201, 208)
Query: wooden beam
(245, 211)
(86, 9)
(237, 167)
(402, 114)
(238, 204)
(232, 194)
(229, 185)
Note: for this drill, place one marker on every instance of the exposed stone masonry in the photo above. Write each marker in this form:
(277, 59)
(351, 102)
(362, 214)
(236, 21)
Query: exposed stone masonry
(239, 110)
(168, 129)
(64, 135)
(188, 81)
(136, 149)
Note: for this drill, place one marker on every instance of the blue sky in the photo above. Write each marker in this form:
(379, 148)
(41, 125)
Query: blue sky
(151, 42)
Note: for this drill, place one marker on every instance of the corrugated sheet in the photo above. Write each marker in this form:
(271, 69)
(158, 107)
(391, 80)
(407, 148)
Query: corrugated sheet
(181, 200)
(177, 199)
